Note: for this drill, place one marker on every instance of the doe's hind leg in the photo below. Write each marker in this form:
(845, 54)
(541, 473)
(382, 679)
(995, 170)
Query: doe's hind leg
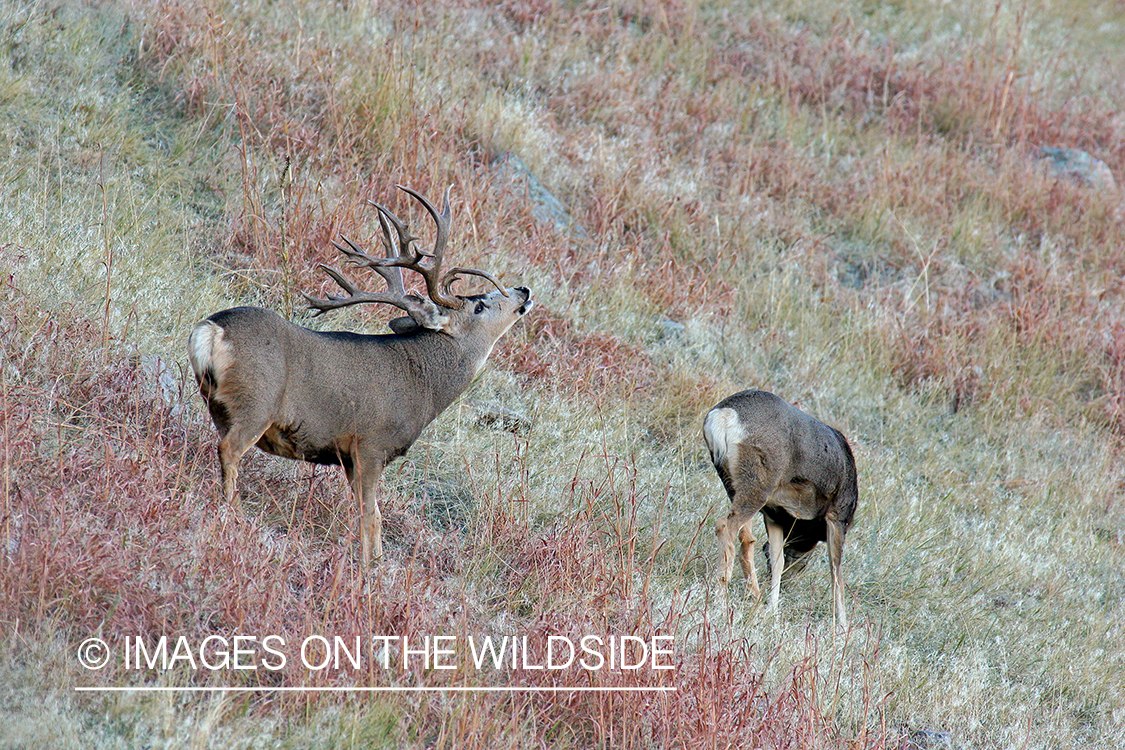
(835, 554)
(746, 557)
(727, 532)
(724, 535)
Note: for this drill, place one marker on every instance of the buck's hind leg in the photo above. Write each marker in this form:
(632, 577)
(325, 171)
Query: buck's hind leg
(232, 446)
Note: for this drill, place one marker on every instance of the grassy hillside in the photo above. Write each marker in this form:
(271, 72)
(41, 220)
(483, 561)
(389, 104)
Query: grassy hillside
(843, 203)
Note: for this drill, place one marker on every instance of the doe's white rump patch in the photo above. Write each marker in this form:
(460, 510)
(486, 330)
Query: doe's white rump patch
(723, 431)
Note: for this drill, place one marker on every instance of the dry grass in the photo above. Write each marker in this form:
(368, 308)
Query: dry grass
(838, 203)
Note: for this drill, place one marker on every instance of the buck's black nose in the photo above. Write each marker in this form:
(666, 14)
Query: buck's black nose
(526, 306)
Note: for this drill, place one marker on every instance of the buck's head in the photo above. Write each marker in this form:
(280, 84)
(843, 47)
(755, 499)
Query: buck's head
(478, 319)
(488, 315)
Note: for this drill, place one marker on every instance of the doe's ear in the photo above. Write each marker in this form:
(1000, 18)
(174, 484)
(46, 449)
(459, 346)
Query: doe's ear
(404, 325)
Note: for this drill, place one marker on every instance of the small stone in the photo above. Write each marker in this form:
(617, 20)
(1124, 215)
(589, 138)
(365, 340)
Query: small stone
(929, 739)
(496, 416)
(668, 329)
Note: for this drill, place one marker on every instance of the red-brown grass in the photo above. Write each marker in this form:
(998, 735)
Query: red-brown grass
(553, 354)
(112, 526)
(698, 154)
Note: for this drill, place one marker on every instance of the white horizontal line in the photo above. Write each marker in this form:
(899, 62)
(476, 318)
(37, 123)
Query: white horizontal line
(363, 689)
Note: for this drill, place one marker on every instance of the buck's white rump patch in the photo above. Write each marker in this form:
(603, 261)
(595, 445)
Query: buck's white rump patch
(207, 351)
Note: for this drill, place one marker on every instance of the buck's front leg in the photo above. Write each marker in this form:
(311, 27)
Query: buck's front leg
(364, 478)
(372, 533)
(835, 553)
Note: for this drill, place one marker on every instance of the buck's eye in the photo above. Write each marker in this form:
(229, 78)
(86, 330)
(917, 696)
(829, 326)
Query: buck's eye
(480, 308)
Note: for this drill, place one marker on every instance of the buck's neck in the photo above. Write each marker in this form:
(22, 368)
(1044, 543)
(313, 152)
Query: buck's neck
(447, 364)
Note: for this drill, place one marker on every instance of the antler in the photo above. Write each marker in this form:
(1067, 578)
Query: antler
(425, 312)
(438, 286)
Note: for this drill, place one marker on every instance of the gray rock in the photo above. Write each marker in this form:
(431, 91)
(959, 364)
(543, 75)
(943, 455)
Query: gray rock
(161, 379)
(929, 739)
(544, 205)
(1078, 166)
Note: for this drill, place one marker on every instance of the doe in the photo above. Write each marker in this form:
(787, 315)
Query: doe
(354, 400)
(799, 472)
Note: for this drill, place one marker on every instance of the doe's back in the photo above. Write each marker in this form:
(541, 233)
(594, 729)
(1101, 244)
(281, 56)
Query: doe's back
(761, 426)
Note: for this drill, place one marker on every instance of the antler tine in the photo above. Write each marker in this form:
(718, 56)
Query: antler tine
(438, 286)
(391, 274)
(438, 291)
(357, 257)
(423, 311)
(452, 274)
(443, 220)
(405, 238)
(321, 306)
(411, 257)
(355, 253)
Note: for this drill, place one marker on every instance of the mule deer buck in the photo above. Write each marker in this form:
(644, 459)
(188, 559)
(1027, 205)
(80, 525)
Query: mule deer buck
(799, 472)
(345, 398)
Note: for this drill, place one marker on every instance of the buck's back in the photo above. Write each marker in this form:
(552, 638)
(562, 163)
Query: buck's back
(321, 384)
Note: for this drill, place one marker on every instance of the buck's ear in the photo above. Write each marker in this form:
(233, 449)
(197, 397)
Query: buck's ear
(404, 325)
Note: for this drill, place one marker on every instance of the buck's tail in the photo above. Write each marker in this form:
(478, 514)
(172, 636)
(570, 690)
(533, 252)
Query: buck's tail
(206, 351)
